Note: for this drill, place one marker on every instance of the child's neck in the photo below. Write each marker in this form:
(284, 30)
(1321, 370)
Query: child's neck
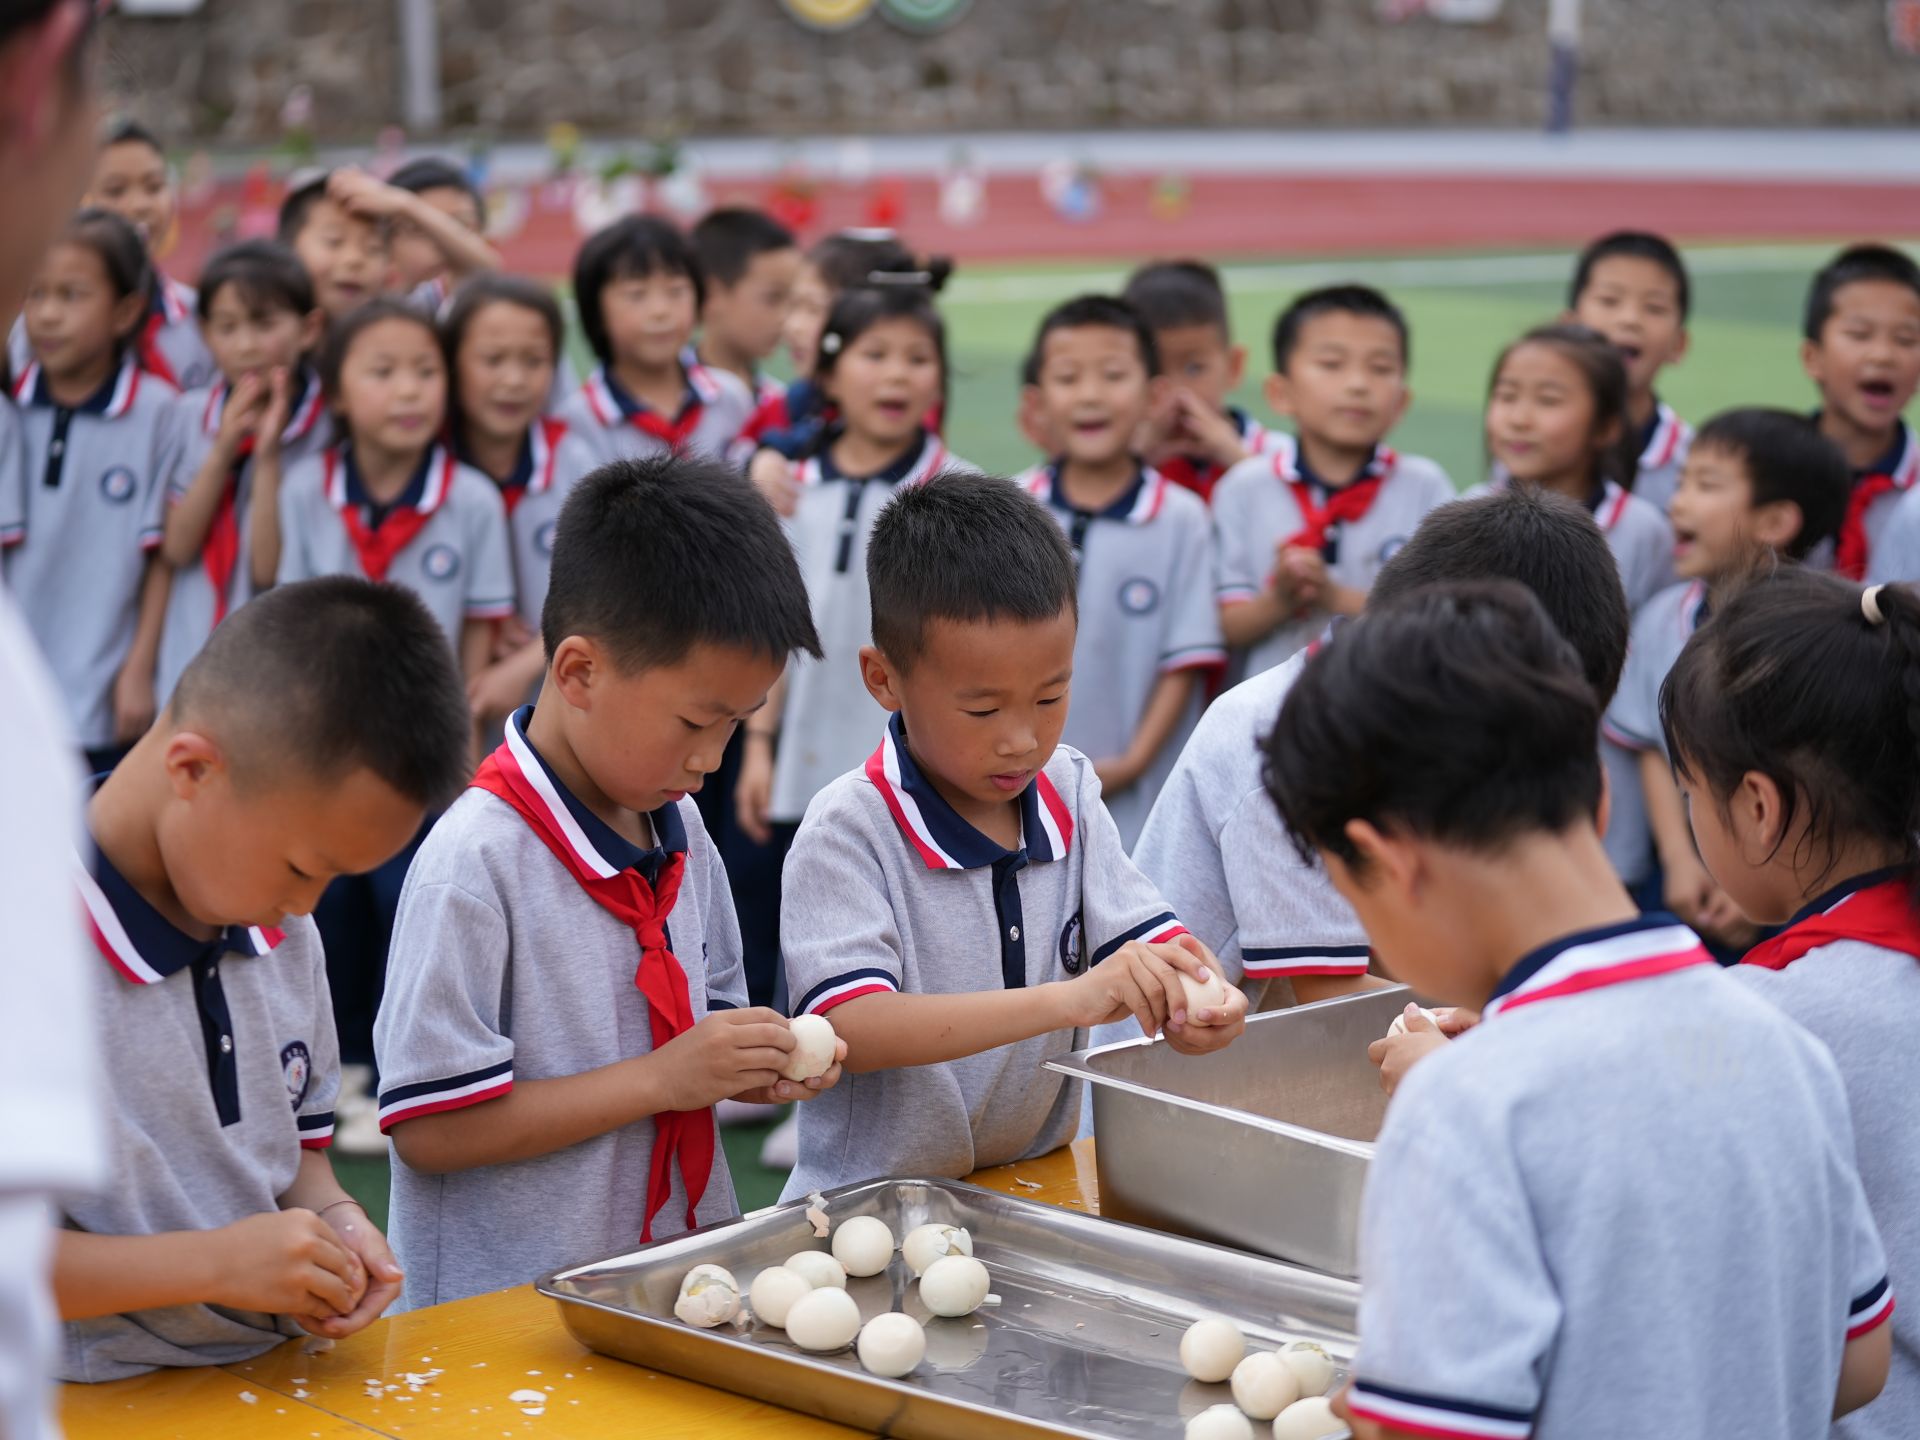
(998, 820)
(857, 453)
(658, 387)
(1852, 858)
(80, 383)
(716, 354)
(121, 820)
(385, 474)
(1579, 486)
(547, 733)
(495, 456)
(1640, 407)
(1096, 484)
(1336, 465)
(1860, 444)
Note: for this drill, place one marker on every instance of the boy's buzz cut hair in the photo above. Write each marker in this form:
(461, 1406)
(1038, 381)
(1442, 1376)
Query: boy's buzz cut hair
(435, 172)
(1849, 267)
(654, 557)
(965, 548)
(1457, 714)
(329, 676)
(1175, 294)
(1549, 544)
(727, 241)
(1636, 245)
(267, 275)
(1334, 300)
(1103, 312)
(125, 130)
(1786, 458)
(629, 249)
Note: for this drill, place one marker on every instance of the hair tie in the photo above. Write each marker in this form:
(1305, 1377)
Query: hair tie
(830, 343)
(911, 279)
(1870, 605)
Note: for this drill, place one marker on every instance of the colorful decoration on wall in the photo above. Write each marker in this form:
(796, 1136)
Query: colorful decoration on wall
(828, 15)
(925, 16)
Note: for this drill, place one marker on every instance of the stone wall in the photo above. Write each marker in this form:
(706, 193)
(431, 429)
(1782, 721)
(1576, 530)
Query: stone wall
(513, 67)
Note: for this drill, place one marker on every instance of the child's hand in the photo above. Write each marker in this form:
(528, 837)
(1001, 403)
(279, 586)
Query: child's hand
(134, 705)
(1397, 1054)
(363, 195)
(798, 1090)
(241, 417)
(495, 693)
(1689, 889)
(1138, 980)
(1207, 1029)
(728, 1053)
(1300, 577)
(753, 790)
(1159, 431)
(1211, 431)
(772, 475)
(285, 1262)
(1723, 921)
(362, 1237)
(276, 403)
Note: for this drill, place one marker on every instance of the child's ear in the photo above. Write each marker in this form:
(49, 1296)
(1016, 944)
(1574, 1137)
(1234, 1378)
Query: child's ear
(1681, 344)
(312, 328)
(192, 760)
(1279, 393)
(1812, 360)
(1236, 366)
(574, 668)
(878, 673)
(1384, 859)
(1758, 812)
(1778, 523)
(128, 311)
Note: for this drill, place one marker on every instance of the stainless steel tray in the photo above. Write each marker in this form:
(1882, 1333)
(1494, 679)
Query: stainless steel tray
(1281, 1124)
(1085, 1341)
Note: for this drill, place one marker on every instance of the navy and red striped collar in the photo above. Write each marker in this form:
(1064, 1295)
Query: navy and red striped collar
(935, 831)
(601, 849)
(1660, 442)
(1290, 464)
(1901, 463)
(1637, 949)
(302, 416)
(172, 301)
(921, 460)
(613, 405)
(426, 491)
(1847, 889)
(142, 944)
(1139, 503)
(112, 400)
(533, 470)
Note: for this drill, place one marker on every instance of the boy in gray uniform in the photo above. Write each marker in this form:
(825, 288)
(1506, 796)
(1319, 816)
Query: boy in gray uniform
(1303, 531)
(310, 736)
(961, 905)
(1149, 632)
(1597, 1214)
(565, 1001)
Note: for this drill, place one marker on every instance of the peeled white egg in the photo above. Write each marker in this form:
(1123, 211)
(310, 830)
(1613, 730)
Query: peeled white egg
(928, 1243)
(1211, 996)
(776, 1290)
(1219, 1422)
(1211, 1348)
(709, 1296)
(814, 1046)
(892, 1344)
(1263, 1385)
(1310, 1419)
(863, 1245)
(1399, 1026)
(1311, 1365)
(823, 1320)
(818, 1269)
(954, 1285)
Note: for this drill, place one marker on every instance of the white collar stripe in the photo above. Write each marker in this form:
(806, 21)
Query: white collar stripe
(124, 389)
(556, 808)
(112, 936)
(852, 989)
(908, 809)
(23, 387)
(1636, 955)
(600, 399)
(1423, 1415)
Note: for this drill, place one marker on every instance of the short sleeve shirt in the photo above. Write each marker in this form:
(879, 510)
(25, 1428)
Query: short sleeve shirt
(1893, 519)
(1632, 725)
(616, 426)
(503, 969)
(1624, 1204)
(1663, 455)
(552, 463)
(221, 1066)
(13, 477)
(887, 889)
(95, 483)
(459, 562)
(1256, 509)
(176, 349)
(1146, 591)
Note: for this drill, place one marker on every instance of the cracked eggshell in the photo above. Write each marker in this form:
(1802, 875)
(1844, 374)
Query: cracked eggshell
(823, 1320)
(928, 1243)
(1219, 1422)
(1310, 1364)
(1211, 1348)
(818, 1269)
(709, 1296)
(1399, 1026)
(1310, 1419)
(954, 1285)
(863, 1245)
(814, 1045)
(1211, 996)
(776, 1290)
(1264, 1385)
(891, 1345)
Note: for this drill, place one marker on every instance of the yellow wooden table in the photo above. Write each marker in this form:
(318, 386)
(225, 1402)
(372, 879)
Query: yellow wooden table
(454, 1370)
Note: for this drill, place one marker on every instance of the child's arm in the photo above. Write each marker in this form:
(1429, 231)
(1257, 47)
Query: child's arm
(476, 646)
(467, 251)
(266, 518)
(190, 511)
(1213, 431)
(753, 790)
(504, 684)
(1689, 888)
(133, 698)
(1863, 1370)
(1166, 706)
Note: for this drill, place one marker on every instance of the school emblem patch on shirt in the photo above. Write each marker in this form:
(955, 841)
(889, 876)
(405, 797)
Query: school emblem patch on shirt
(1139, 595)
(1391, 548)
(441, 562)
(1073, 946)
(296, 1066)
(118, 484)
(543, 538)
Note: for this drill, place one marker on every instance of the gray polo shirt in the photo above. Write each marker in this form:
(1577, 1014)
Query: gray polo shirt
(552, 462)
(1663, 456)
(221, 1067)
(190, 599)
(1147, 609)
(94, 482)
(1258, 506)
(887, 889)
(1892, 520)
(13, 476)
(827, 723)
(460, 562)
(503, 968)
(616, 426)
(1623, 1205)
(1632, 725)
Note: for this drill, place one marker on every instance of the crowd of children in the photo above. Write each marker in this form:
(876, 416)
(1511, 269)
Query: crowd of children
(601, 726)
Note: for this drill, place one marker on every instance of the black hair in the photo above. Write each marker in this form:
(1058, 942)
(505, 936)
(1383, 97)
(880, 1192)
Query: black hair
(1636, 245)
(121, 252)
(125, 130)
(298, 204)
(1361, 300)
(1849, 267)
(1103, 312)
(629, 249)
(1542, 541)
(857, 311)
(329, 676)
(1605, 374)
(963, 547)
(629, 535)
(267, 274)
(474, 296)
(1457, 714)
(1792, 680)
(1786, 458)
(727, 241)
(1170, 294)
(433, 172)
(848, 259)
(355, 323)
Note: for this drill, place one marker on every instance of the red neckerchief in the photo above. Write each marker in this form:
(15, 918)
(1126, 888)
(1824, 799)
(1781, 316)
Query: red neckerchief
(1850, 554)
(545, 439)
(378, 547)
(1191, 473)
(221, 553)
(684, 1135)
(1345, 505)
(1882, 915)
